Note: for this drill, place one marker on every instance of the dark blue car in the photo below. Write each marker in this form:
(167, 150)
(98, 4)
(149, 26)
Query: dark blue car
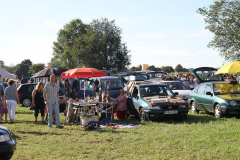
(112, 82)
(7, 144)
(25, 93)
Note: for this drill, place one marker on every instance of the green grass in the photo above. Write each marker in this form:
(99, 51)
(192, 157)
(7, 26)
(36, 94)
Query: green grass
(201, 136)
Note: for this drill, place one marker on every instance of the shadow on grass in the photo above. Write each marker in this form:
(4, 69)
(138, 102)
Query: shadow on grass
(191, 119)
(22, 112)
(43, 133)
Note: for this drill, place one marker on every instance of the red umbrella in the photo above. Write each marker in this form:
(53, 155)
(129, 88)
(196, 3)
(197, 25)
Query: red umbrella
(83, 72)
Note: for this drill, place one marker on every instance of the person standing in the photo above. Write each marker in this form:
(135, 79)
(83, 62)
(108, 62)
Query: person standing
(51, 93)
(75, 88)
(11, 99)
(3, 106)
(38, 101)
(24, 80)
(68, 88)
(5, 85)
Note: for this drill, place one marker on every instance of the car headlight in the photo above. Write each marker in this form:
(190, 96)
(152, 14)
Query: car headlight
(233, 103)
(4, 137)
(155, 107)
(182, 106)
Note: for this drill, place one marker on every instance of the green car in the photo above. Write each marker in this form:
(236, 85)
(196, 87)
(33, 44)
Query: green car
(215, 95)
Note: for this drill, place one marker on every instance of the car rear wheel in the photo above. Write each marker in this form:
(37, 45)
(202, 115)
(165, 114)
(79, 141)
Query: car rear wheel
(6, 156)
(218, 111)
(194, 108)
(26, 102)
(142, 115)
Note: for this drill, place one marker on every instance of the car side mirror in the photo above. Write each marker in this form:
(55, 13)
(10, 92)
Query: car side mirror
(209, 93)
(176, 93)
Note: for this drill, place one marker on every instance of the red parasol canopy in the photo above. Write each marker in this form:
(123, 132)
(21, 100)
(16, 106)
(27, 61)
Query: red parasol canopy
(83, 72)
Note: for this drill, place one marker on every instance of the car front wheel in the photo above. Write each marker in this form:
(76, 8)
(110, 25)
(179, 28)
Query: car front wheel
(194, 108)
(142, 115)
(26, 102)
(218, 111)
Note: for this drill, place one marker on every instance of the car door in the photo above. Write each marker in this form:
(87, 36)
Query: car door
(199, 97)
(207, 101)
(135, 97)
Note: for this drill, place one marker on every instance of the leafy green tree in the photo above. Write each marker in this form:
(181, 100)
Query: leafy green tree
(63, 46)
(97, 45)
(36, 68)
(28, 62)
(168, 69)
(185, 70)
(158, 69)
(10, 69)
(152, 67)
(138, 68)
(222, 19)
(21, 69)
(133, 69)
(178, 68)
(2, 64)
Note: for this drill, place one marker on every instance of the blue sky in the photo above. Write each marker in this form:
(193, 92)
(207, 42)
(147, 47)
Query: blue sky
(160, 33)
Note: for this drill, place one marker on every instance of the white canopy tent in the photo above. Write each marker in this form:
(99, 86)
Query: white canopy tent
(6, 74)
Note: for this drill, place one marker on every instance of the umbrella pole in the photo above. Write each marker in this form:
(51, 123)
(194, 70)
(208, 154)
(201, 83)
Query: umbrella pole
(84, 88)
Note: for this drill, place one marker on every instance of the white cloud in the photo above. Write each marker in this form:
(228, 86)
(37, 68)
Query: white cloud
(150, 36)
(202, 33)
(50, 24)
(125, 20)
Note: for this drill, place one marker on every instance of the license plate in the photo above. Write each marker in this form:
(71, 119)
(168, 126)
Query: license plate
(171, 112)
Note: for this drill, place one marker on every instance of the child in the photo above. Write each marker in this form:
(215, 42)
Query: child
(3, 111)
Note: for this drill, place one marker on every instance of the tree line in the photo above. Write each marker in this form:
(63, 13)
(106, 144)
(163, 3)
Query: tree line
(167, 69)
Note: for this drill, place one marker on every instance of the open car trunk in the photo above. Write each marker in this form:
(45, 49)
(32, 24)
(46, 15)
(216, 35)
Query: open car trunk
(206, 74)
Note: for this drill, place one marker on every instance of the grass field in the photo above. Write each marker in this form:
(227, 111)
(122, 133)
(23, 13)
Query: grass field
(201, 136)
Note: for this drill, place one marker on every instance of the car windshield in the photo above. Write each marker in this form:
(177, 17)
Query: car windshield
(176, 85)
(138, 77)
(158, 90)
(156, 75)
(111, 83)
(226, 88)
(208, 76)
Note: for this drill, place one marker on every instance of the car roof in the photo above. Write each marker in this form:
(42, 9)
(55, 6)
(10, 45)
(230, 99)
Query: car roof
(227, 82)
(150, 84)
(133, 73)
(107, 77)
(29, 83)
(170, 81)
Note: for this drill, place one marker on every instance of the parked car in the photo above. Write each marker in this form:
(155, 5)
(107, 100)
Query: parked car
(133, 76)
(114, 84)
(25, 93)
(108, 73)
(179, 87)
(153, 74)
(215, 95)
(155, 101)
(7, 144)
